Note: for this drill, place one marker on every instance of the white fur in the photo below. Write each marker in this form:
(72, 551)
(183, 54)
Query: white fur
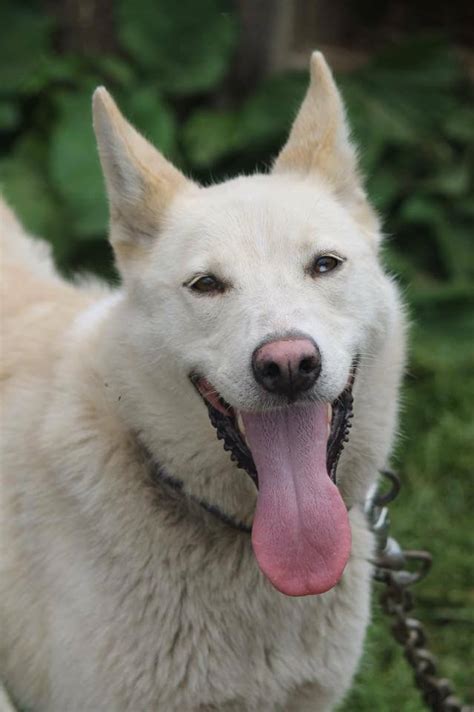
(114, 595)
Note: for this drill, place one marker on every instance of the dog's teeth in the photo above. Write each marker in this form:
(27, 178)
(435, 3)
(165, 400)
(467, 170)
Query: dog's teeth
(240, 423)
(329, 417)
(241, 427)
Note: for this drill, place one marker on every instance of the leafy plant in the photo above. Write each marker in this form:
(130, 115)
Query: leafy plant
(165, 41)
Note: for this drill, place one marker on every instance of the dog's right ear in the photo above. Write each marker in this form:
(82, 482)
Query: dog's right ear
(140, 182)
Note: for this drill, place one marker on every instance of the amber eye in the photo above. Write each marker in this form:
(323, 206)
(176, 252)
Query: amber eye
(325, 263)
(207, 284)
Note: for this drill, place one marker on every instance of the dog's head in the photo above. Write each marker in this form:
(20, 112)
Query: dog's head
(261, 291)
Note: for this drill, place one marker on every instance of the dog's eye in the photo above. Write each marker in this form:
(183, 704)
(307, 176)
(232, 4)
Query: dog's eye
(207, 284)
(325, 263)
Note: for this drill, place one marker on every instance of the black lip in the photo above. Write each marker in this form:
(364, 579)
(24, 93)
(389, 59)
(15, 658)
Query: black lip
(227, 429)
(342, 413)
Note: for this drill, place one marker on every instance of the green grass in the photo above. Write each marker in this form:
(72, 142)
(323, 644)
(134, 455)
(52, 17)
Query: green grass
(435, 458)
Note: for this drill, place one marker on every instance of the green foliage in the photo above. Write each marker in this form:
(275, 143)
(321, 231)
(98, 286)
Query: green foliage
(74, 165)
(434, 512)
(411, 112)
(161, 38)
(256, 127)
(25, 36)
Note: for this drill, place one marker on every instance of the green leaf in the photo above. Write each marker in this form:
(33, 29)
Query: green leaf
(74, 165)
(456, 243)
(459, 123)
(404, 94)
(262, 122)
(399, 264)
(452, 180)
(54, 70)
(421, 209)
(383, 187)
(267, 116)
(151, 115)
(24, 45)
(116, 70)
(374, 120)
(421, 60)
(9, 115)
(25, 187)
(185, 46)
(209, 136)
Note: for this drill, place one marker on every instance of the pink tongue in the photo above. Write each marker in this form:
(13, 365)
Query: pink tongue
(301, 534)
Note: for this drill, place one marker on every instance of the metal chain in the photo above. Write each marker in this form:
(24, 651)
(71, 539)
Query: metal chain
(399, 569)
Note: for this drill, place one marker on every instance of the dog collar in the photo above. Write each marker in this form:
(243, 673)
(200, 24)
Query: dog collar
(159, 476)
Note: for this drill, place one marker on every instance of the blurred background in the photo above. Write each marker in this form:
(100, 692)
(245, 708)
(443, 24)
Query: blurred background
(215, 85)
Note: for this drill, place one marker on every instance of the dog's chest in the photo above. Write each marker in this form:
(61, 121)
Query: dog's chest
(204, 630)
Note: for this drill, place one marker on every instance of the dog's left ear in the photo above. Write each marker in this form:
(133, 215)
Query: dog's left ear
(319, 143)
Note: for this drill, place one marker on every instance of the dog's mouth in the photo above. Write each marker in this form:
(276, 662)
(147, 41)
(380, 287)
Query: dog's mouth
(301, 534)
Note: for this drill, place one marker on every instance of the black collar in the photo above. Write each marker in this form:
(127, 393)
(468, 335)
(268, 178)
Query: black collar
(158, 475)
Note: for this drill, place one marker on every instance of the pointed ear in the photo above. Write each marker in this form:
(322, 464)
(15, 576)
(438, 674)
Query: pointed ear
(140, 182)
(319, 143)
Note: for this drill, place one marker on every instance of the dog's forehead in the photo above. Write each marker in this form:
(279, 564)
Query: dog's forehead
(266, 215)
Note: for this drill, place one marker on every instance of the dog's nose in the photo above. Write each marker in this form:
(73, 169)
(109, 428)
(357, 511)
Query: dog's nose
(287, 366)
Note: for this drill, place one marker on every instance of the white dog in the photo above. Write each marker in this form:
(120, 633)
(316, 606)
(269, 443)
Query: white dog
(145, 563)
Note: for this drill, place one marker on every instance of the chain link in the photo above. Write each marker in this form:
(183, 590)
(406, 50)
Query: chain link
(399, 569)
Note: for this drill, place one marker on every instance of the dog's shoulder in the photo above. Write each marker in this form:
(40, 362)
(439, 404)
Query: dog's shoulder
(37, 305)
